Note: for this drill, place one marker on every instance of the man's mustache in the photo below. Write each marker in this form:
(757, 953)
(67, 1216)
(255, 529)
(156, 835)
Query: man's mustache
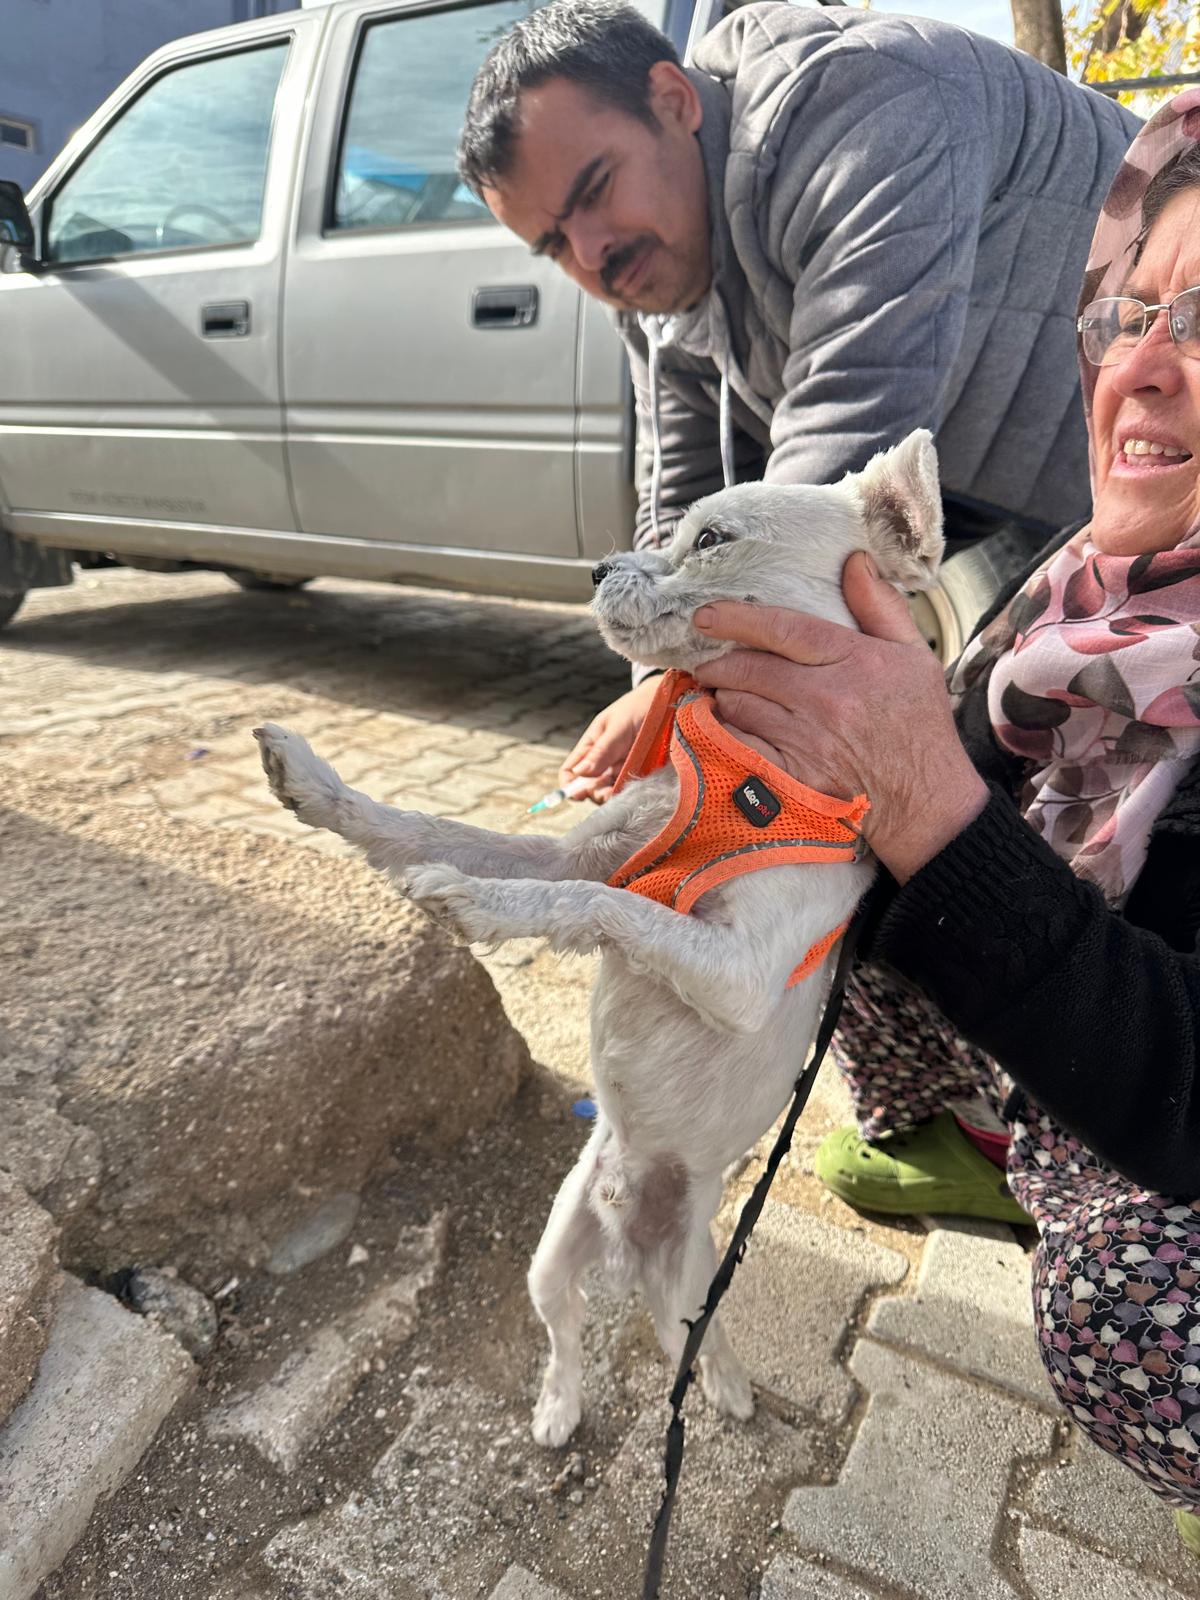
(620, 261)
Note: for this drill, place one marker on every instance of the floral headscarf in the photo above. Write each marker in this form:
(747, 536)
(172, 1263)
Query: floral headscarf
(1167, 135)
(1093, 669)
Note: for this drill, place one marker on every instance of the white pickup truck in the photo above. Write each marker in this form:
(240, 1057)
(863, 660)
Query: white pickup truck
(251, 320)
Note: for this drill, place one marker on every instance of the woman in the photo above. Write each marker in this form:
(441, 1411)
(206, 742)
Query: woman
(1043, 956)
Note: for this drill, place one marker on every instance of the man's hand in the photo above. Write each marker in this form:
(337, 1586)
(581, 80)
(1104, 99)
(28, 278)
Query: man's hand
(851, 713)
(607, 740)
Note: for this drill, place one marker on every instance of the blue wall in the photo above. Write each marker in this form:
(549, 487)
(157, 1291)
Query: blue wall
(60, 58)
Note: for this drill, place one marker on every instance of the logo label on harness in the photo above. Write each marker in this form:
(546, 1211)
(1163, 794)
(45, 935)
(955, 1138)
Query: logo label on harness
(756, 802)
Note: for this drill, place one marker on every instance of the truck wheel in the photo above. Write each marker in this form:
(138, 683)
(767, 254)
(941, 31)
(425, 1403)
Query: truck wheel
(10, 604)
(967, 584)
(261, 581)
(936, 618)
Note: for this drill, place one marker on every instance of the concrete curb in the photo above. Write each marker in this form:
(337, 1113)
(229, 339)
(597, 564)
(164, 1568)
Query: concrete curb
(106, 1382)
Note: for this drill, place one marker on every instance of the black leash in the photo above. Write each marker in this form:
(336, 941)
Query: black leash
(673, 1459)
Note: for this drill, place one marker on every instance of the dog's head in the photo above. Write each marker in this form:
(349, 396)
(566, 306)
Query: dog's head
(774, 545)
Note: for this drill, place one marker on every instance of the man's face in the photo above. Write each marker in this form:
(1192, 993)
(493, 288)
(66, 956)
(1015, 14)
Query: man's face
(622, 207)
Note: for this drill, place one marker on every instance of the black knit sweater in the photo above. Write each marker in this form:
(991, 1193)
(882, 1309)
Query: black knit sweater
(1096, 1015)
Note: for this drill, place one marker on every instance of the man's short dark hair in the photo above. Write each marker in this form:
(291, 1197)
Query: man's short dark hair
(605, 46)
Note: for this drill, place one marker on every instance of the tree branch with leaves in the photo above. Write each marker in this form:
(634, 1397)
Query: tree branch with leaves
(1108, 40)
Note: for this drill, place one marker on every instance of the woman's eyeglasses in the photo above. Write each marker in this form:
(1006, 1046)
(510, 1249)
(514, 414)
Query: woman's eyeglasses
(1109, 328)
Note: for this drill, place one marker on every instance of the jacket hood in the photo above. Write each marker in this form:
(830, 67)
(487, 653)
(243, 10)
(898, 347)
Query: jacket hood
(705, 329)
(753, 56)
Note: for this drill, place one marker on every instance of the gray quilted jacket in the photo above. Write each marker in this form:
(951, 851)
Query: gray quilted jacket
(901, 214)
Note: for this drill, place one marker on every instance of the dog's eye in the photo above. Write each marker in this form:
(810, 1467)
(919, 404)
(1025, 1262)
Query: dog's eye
(708, 537)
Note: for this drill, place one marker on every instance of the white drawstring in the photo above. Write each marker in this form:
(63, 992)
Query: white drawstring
(665, 330)
(656, 470)
(727, 471)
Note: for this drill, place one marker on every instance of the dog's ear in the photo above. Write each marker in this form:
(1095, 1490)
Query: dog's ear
(902, 510)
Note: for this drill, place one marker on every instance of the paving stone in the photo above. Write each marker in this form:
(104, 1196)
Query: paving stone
(29, 1288)
(791, 1301)
(435, 803)
(285, 1416)
(1094, 1499)
(1055, 1569)
(733, 1473)
(271, 827)
(430, 1475)
(386, 736)
(355, 1554)
(972, 1310)
(370, 766)
(433, 770)
(426, 1523)
(518, 1584)
(378, 781)
(922, 1490)
(517, 768)
(789, 1579)
(214, 808)
(197, 783)
(107, 1380)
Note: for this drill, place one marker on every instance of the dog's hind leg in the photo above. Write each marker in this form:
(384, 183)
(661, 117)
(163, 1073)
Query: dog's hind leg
(572, 1240)
(677, 1279)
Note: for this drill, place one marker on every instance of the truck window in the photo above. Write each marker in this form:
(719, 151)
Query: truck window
(182, 167)
(407, 96)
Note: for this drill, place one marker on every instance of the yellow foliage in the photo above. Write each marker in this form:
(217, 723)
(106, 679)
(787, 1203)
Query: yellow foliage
(1166, 40)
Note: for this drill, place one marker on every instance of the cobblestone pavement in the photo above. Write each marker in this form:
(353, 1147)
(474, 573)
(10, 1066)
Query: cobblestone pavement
(150, 684)
(905, 1443)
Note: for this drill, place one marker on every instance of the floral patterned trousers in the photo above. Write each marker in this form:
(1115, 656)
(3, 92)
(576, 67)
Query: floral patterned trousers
(1116, 1274)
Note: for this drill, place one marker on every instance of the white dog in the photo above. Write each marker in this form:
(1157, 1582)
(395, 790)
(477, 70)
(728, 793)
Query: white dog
(696, 1040)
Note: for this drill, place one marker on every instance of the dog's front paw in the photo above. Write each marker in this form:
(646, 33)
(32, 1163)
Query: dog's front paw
(556, 1416)
(456, 901)
(299, 779)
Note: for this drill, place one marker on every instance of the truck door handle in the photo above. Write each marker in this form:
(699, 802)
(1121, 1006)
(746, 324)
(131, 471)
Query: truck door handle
(229, 320)
(515, 307)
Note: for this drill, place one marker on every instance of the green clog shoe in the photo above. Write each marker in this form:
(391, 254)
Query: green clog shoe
(933, 1168)
(1187, 1525)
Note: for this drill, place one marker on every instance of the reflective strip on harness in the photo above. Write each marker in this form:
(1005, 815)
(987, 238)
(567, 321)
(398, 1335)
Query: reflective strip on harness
(736, 813)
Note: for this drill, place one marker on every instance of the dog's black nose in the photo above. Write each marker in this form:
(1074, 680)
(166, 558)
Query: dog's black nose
(600, 573)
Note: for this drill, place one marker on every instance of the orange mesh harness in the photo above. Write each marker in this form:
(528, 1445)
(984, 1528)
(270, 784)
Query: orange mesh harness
(736, 811)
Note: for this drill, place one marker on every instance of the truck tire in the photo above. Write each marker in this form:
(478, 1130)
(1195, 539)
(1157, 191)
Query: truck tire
(10, 604)
(257, 582)
(967, 584)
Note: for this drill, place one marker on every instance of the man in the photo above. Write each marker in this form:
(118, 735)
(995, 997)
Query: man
(839, 226)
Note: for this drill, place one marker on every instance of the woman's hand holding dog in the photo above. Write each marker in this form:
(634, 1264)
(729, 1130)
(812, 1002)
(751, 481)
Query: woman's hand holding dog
(851, 713)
